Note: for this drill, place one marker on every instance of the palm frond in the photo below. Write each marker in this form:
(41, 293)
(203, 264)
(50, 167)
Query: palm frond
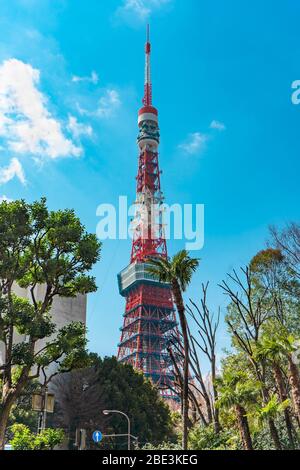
(181, 267)
(159, 268)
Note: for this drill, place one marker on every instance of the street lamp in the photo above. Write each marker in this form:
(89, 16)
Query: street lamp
(43, 402)
(107, 412)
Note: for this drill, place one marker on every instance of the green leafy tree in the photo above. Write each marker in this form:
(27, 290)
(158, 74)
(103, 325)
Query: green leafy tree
(248, 312)
(236, 391)
(109, 384)
(24, 439)
(21, 411)
(178, 272)
(206, 438)
(271, 410)
(262, 439)
(272, 347)
(49, 248)
(162, 446)
(287, 241)
(274, 273)
(48, 439)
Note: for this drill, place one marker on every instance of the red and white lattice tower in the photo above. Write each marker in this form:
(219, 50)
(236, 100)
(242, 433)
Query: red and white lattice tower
(149, 318)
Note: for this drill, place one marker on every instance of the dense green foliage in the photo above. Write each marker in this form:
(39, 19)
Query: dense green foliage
(261, 376)
(24, 439)
(112, 385)
(21, 412)
(257, 388)
(205, 438)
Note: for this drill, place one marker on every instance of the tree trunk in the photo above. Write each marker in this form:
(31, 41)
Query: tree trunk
(185, 389)
(295, 385)
(217, 426)
(207, 405)
(283, 396)
(197, 371)
(4, 417)
(197, 408)
(9, 396)
(243, 426)
(3, 425)
(274, 434)
(205, 396)
(273, 430)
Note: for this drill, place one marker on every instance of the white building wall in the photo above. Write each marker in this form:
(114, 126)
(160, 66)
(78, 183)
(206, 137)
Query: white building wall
(64, 311)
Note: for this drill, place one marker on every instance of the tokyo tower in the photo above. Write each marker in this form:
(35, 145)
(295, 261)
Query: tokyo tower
(149, 318)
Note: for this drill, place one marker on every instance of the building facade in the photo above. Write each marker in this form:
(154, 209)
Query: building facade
(63, 311)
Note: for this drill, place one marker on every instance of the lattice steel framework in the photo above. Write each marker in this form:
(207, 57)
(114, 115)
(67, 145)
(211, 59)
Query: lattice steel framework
(149, 318)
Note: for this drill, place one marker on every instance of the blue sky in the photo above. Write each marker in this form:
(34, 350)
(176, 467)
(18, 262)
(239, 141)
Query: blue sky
(71, 82)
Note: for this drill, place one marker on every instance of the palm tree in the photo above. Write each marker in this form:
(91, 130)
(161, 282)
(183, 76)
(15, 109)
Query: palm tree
(272, 350)
(275, 271)
(178, 271)
(288, 345)
(269, 412)
(294, 379)
(236, 392)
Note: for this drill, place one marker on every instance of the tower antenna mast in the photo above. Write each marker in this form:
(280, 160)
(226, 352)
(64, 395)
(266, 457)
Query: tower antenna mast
(147, 100)
(149, 321)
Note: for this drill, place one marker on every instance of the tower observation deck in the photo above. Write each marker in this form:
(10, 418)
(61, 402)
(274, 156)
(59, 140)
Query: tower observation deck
(149, 318)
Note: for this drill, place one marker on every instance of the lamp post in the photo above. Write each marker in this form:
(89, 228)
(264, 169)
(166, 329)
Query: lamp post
(107, 412)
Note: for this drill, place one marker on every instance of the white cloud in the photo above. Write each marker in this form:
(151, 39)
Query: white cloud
(2, 199)
(14, 169)
(108, 103)
(220, 126)
(78, 129)
(141, 9)
(26, 124)
(138, 7)
(195, 143)
(93, 78)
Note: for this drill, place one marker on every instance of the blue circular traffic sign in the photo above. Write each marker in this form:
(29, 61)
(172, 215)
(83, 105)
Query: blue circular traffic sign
(97, 436)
